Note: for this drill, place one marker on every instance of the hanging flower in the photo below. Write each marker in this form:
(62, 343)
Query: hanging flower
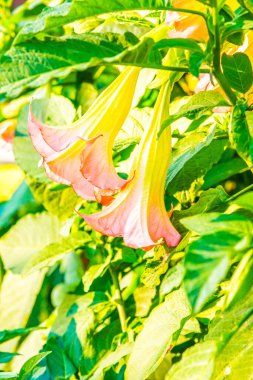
(138, 213)
(187, 25)
(80, 155)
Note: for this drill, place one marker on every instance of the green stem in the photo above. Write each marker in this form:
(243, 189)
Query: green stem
(119, 300)
(240, 193)
(217, 58)
(158, 67)
(183, 10)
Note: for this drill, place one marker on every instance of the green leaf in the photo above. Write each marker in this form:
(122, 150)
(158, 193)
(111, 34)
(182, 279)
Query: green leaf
(241, 280)
(59, 200)
(205, 224)
(108, 361)
(52, 253)
(238, 71)
(248, 4)
(26, 238)
(27, 368)
(208, 201)
(193, 156)
(34, 63)
(197, 363)
(223, 171)
(152, 343)
(172, 279)
(66, 13)
(38, 62)
(6, 335)
(59, 363)
(53, 110)
(245, 201)
(232, 330)
(8, 375)
(206, 264)
(197, 106)
(28, 159)
(93, 272)
(155, 267)
(6, 357)
(76, 320)
(182, 43)
(241, 133)
(17, 297)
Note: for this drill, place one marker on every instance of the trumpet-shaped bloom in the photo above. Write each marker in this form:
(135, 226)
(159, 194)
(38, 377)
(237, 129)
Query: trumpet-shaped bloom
(81, 154)
(187, 25)
(138, 213)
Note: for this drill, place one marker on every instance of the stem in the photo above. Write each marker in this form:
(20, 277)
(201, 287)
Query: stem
(183, 10)
(119, 300)
(217, 58)
(156, 67)
(240, 193)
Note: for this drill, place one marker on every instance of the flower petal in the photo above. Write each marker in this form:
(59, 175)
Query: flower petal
(138, 213)
(97, 165)
(62, 147)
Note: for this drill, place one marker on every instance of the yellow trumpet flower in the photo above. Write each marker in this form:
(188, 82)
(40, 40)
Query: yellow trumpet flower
(80, 155)
(138, 213)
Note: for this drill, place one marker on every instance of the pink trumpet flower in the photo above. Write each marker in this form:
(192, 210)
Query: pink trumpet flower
(138, 213)
(80, 155)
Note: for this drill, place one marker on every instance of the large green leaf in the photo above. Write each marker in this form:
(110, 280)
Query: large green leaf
(33, 63)
(26, 238)
(238, 71)
(160, 331)
(205, 224)
(68, 12)
(206, 263)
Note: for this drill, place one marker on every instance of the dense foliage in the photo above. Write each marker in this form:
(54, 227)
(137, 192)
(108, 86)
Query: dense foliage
(79, 304)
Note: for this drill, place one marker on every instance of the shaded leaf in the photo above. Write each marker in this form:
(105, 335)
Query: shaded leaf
(6, 357)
